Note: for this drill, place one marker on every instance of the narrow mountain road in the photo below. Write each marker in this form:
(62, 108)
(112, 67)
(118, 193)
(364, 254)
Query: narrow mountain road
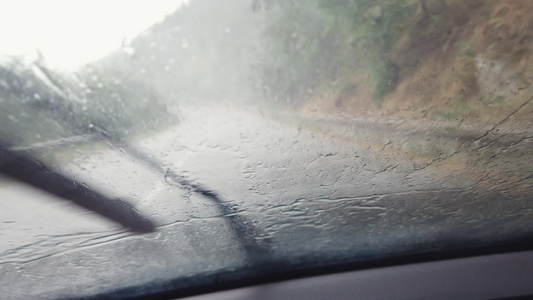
(238, 186)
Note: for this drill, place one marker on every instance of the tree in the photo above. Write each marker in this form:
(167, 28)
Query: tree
(308, 43)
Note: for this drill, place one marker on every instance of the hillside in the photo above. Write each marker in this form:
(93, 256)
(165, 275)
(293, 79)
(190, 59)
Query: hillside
(40, 105)
(461, 64)
(477, 69)
(201, 51)
(428, 60)
(443, 84)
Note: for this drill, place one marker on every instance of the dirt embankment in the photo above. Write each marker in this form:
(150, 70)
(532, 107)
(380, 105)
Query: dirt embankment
(464, 97)
(471, 65)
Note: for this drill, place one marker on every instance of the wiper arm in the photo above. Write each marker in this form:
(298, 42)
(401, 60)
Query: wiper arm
(32, 172)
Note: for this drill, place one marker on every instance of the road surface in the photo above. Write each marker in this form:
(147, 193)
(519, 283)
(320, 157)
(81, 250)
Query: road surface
(282, 192)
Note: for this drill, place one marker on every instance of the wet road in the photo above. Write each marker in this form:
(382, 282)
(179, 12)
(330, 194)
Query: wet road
(289, 191)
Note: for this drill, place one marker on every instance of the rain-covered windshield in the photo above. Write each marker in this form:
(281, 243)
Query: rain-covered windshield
(150, 146)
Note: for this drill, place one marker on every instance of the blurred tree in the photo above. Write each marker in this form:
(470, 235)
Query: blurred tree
(310, 42)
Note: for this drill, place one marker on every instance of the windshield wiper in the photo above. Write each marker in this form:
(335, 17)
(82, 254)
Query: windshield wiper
(34, 173)
(255, 247)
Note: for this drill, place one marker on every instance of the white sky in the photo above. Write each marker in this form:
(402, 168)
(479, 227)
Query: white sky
(72, 32)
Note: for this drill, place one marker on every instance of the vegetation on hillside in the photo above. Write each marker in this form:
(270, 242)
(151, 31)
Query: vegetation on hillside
(310, 43)
(39, 104)
(447, 59)
(338, 55)
(201, 51)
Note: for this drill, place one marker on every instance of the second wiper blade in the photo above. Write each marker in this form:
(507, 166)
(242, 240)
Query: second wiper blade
(32, 172)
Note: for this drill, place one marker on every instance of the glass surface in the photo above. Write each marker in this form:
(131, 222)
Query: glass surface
(259, 136)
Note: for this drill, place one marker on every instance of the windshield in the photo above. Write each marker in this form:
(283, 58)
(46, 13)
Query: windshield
(147, 148)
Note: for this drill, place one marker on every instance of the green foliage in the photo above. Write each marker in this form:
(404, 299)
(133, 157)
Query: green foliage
(40, 105)
(119, 106)
(384, 76)
(201, 52)
(459, 109)
(469, 53)
(301, 50)
(23, 101)
(308, 43)
(498, 100)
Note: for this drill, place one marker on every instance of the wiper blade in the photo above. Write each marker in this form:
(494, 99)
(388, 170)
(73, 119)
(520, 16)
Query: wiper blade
(256, 248)
(32, 172)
